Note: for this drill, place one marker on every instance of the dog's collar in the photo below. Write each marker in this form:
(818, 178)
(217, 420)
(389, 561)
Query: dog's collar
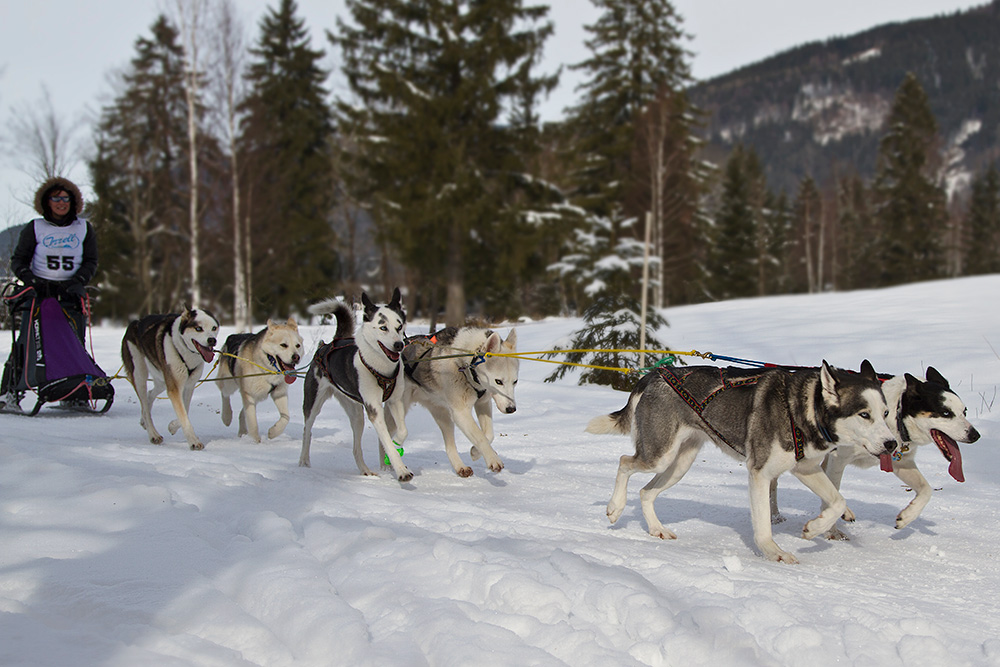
(473, 377)
(273, 360)
(386, 382)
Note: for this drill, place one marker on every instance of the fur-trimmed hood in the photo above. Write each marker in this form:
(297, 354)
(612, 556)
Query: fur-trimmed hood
(58, 183)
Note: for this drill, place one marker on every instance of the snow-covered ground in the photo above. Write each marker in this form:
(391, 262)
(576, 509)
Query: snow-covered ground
(117, 552)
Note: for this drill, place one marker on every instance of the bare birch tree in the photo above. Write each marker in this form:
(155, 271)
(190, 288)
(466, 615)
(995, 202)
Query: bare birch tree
(229, 48)
(190, 14)
(41, 141)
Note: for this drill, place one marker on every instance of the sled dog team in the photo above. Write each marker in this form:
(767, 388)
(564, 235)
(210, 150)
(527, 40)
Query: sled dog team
(812, 422)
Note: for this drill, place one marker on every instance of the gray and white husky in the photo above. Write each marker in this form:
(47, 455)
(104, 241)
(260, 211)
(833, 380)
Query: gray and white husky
(453, 374)
(363, 372)
(920, 413)
(172, 349)
(776, 420)
(260, 365)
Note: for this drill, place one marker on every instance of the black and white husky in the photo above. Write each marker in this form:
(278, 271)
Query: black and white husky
(920, 413)
(172, 349)
(364, 372)
(454, 373)
(778, 421)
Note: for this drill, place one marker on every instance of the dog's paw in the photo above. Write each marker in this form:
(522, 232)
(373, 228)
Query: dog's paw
(777, 518)
(784, 557)
(275, 431)
(774, 553)
(173, 426)
(902, 521)
(837, 535)
(406, 476)
(464, 471)
(474, 453)
(197, 446)
(156, 439)
(848, 515)
(662, 533)
(496, 466)
(614, 512)
(304, 463)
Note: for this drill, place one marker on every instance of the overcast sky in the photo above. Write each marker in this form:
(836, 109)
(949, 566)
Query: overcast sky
(71, 46)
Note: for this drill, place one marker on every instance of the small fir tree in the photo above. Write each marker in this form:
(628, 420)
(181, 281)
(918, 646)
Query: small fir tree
(612, 323)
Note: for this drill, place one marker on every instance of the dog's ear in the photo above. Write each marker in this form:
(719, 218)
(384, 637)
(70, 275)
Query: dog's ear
(868, 371)
(370, 307)
(395, 303)
(829, 384)
(493, 343)
(933, 376)
(511, 341)
(270, 323)
(292, 323)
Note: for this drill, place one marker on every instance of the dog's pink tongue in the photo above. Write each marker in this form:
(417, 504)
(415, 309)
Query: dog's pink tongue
(949, 449)
(289, 378)
(207, 353)
(955, 469)
(886, 462)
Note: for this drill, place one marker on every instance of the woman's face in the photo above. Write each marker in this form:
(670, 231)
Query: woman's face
(59, 203)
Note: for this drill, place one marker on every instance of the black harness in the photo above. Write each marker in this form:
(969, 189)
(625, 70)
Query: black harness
(730, 378)
(444, 336)
(340, 351)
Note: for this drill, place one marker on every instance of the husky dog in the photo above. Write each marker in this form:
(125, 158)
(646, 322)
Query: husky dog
(774, 419)
(920, 412)
(361, 370)
(259, 365)
(451, 386)
(172, 349)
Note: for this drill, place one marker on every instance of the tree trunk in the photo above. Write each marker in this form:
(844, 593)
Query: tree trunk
(454, 305)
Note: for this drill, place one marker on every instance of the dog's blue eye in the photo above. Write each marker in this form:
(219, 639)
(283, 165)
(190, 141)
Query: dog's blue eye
(865, 415)
(947, 414)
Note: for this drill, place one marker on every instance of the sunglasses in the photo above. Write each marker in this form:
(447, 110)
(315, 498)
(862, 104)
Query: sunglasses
(65, 199)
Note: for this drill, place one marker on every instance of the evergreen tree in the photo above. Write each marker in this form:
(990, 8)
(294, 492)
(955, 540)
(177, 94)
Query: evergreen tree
(910, 204)
(438, 162)
(285, 138)
(858, 264)
(809, 247)
(139, 175)
(773, 243)
(983, 224)
(631, 135)
(612, 324)
(635, 56)
(731, 265)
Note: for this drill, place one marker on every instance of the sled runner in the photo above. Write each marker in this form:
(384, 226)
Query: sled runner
(49, 359)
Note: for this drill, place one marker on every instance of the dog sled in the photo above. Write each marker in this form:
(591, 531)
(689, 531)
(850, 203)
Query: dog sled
(48, 359)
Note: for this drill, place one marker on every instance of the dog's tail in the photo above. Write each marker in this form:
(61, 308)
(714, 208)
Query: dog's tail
(617, 422)
(341, 311)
